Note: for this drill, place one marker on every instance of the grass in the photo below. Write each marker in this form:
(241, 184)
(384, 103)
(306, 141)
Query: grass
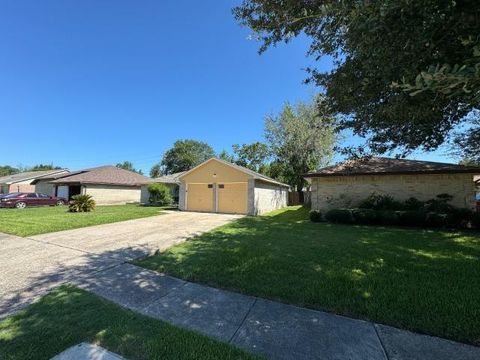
(69, 316)
(40, 220)
(422, 280)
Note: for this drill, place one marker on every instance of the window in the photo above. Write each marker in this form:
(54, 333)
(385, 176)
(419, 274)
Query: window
(43, 195)
(221, 186)
(31, 195)
(210, 186)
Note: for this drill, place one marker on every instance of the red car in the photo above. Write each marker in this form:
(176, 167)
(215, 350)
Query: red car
(22, 200)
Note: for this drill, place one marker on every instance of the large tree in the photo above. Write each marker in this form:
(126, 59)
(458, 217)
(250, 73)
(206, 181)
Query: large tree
(127, 165)
(156, 171)
(39, 167)
(186, 154)
(6, 170)
(254, 156)
(406, 72)
(302, 138)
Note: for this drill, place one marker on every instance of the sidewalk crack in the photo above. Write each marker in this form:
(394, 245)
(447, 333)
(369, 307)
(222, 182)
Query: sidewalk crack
(243, 320)
(381, 342)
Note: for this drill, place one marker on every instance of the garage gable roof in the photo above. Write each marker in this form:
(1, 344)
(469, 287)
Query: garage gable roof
(104, 175)
(390, 166)
(255, 175)
(30, 175)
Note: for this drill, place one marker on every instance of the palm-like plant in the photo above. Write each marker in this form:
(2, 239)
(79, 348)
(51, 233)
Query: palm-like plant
(81, 203)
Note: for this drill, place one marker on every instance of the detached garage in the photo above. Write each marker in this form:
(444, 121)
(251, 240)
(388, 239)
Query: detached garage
(223, 187)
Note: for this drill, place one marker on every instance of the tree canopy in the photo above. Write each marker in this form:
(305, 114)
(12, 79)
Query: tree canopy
(185, 154)
(156, 171)
(406, 72)
(40, 167)
(301, 139)
(6, 170)
(127, 165)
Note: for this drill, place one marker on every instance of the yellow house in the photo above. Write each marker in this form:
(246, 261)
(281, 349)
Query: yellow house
(223, 187)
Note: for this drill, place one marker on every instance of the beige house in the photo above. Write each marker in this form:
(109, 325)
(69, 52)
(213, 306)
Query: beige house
(347, 183)
(108, 185)
(26, 181)
(223, 187)
(172, 181)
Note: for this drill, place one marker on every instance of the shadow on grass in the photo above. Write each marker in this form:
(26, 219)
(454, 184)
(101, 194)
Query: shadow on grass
(423, 280)
(68, 316)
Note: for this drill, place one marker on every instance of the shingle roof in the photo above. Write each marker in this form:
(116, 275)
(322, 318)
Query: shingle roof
(390, 166)
(104, 175)
(168, 179)
(252, 173)
(29, 175)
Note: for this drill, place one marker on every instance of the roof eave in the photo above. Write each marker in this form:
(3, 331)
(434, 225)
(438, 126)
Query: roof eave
(424, 172)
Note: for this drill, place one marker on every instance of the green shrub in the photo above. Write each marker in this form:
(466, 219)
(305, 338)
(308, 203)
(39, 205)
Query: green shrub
(413, 204)
(380, 202)
(81, 203)
(388, 217)
(440, 204)
(160, 194)
(364, 216)
(342, 216)
(459, 218)
(476, 220)
(412, 218)
(436, 220)
(315, 216)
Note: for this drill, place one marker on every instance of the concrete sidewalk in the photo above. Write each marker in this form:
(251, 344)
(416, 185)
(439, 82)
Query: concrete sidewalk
(272, 329)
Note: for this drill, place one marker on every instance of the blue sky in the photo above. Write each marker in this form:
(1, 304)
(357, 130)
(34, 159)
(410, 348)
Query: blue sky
(87, 83)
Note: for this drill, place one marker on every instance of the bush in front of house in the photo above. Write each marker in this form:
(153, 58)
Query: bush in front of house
(340, 216)
(159, 195)
(380, 202)
(385, 210)
(315, 216)
(412, 218)
(365, 216)
(81, 203)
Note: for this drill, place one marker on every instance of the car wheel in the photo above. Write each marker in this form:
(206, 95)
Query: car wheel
(60, 203)
(21, 205)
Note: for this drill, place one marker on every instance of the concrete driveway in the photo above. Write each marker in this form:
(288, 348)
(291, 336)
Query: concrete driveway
(30, 267)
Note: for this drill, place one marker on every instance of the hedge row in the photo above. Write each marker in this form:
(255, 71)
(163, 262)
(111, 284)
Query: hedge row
(456, 218)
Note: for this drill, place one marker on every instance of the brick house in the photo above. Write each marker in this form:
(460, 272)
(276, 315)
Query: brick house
(347, 183)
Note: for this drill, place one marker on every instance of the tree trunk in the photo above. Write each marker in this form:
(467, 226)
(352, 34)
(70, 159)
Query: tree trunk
(301, 197)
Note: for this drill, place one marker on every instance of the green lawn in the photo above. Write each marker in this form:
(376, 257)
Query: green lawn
(69, 316)
(40, 220)
(422, 280)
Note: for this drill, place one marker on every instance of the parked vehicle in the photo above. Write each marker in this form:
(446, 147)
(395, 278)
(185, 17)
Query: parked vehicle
(22, 200)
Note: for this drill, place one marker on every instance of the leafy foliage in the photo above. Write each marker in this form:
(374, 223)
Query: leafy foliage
(406, 72)
(160, 194)
(380, 202)
(81, 203)
(127, 165)
(301, 139)
(315, 216)
(40, 167)
(8, 170)
(186, 154)
(156, 171)
(253, 156)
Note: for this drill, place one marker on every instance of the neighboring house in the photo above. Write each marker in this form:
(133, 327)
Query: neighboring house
(223, 187)
(25, 181)
(171, 181)
(108, 185)
(347, 183)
